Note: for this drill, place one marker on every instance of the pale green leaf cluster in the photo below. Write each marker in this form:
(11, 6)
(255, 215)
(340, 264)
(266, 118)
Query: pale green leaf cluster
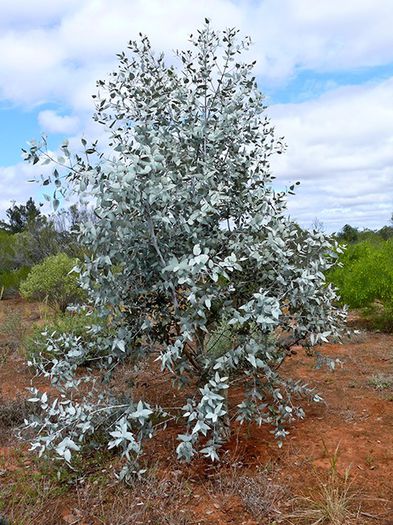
(191, 243)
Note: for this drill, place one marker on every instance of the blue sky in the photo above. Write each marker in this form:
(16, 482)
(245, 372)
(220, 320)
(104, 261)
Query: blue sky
(326, 68)
(18, 126)
(307, 84)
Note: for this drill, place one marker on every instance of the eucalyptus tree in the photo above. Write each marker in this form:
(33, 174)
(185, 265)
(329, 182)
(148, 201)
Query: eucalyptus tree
(194, 257)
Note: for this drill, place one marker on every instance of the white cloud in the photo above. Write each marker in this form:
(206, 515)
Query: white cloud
(15, 185)
(340, 147)
(67, 45)
(61, 61)
(23, 13)
(52, 122)
(326, 35)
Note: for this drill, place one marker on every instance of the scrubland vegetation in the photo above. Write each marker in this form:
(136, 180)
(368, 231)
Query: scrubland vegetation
(365, 279)
(172, 333)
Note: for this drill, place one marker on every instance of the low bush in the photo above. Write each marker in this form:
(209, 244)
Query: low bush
(381, 381)
(10, 280)
(365, 280)
(54, 282)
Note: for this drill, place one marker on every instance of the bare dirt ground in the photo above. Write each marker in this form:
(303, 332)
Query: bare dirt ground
(343, 447)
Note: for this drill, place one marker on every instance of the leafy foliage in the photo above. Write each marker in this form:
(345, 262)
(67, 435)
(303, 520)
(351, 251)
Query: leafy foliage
(10, 277)
(190, 236)
(6, 248)
(348, 234)
(11, 280)
(365, 280)
(54, 281)
(75, 324)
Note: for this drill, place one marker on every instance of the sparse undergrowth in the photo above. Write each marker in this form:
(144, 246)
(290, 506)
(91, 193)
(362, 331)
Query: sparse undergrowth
(13, 328)
(380, 317)
(13, 412)
(381, 381)
(36, 344)
(30, 500)
(332, 501)
(259, 492)
(151, 500)
(39, 498)
(12, 332)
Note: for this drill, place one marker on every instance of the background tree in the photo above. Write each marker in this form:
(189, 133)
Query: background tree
(386, 232)
(22, 216)
(348, 234)
(193, 256)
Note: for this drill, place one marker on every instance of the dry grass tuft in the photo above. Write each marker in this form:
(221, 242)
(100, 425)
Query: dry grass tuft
(258, 493)
(30, 501)
(150, 500)
(333, 502)
(13, 412)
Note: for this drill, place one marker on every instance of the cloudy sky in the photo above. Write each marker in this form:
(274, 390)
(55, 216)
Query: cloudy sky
(326, 67)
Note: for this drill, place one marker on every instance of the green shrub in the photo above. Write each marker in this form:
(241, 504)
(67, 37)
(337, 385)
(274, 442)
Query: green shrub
(53, 281)
(366, 274)
(6, 248)
(11, 274)
(365, 280)
(10, 280)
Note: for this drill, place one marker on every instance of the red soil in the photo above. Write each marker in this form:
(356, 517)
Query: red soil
(356, 419)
